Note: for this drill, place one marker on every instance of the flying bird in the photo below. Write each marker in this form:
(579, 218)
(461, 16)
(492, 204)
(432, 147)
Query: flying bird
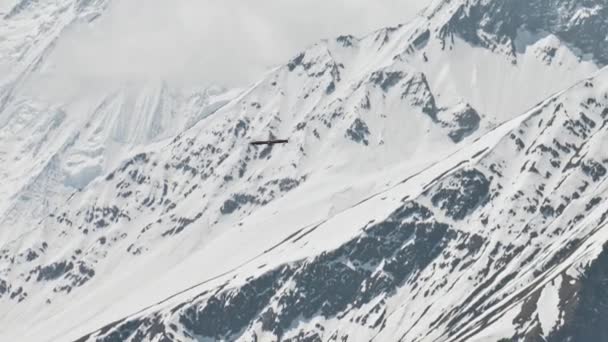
(269, 142)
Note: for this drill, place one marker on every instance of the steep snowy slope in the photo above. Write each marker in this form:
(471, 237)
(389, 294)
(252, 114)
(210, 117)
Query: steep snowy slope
(48, 149)
(487, 244)
(400, 209)
(54, 140)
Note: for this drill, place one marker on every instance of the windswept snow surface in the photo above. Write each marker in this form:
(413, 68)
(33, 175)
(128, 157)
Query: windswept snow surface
(437, 186)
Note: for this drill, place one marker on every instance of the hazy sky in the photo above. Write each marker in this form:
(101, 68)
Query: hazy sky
(228, 42)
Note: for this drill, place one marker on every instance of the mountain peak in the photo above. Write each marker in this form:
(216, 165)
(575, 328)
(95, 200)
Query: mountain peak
(495, 24)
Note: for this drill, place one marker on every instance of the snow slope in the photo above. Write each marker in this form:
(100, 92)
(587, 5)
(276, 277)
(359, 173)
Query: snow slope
(419, 197)
(55, 141)
(469, 249)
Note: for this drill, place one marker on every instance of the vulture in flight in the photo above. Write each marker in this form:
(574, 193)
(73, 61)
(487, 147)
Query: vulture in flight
(269, 142)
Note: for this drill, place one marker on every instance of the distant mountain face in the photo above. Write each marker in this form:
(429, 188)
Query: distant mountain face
(439, 185)
(499, 24)
(51, 146)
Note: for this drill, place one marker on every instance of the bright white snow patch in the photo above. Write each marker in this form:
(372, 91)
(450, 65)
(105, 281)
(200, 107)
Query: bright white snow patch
(548, 305)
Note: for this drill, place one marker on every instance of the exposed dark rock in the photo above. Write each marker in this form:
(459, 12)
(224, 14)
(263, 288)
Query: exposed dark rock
(594, 170)
(295, 62)
(467, 122)
(496, 23)
(240, 130)
(417, 90)
(386, 79)
(141, 158)
(358, 132)
(31, 255)
(586, 322)
(54, 270)
(346, 41)
(305, 337)
(462, 193)
(422, 39)
(330, 88)
(228, 312)
(5, 287)
(237, 200)
(121, 333)
(86, 270)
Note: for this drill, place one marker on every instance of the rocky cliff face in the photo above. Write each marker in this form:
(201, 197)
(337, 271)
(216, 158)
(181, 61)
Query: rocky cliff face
(503, 25)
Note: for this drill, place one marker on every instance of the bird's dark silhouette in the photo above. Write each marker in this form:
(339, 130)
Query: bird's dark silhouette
(269, 142)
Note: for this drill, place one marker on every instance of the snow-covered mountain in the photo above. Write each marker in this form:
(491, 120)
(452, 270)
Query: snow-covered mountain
(443, 181)
(53, 145)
